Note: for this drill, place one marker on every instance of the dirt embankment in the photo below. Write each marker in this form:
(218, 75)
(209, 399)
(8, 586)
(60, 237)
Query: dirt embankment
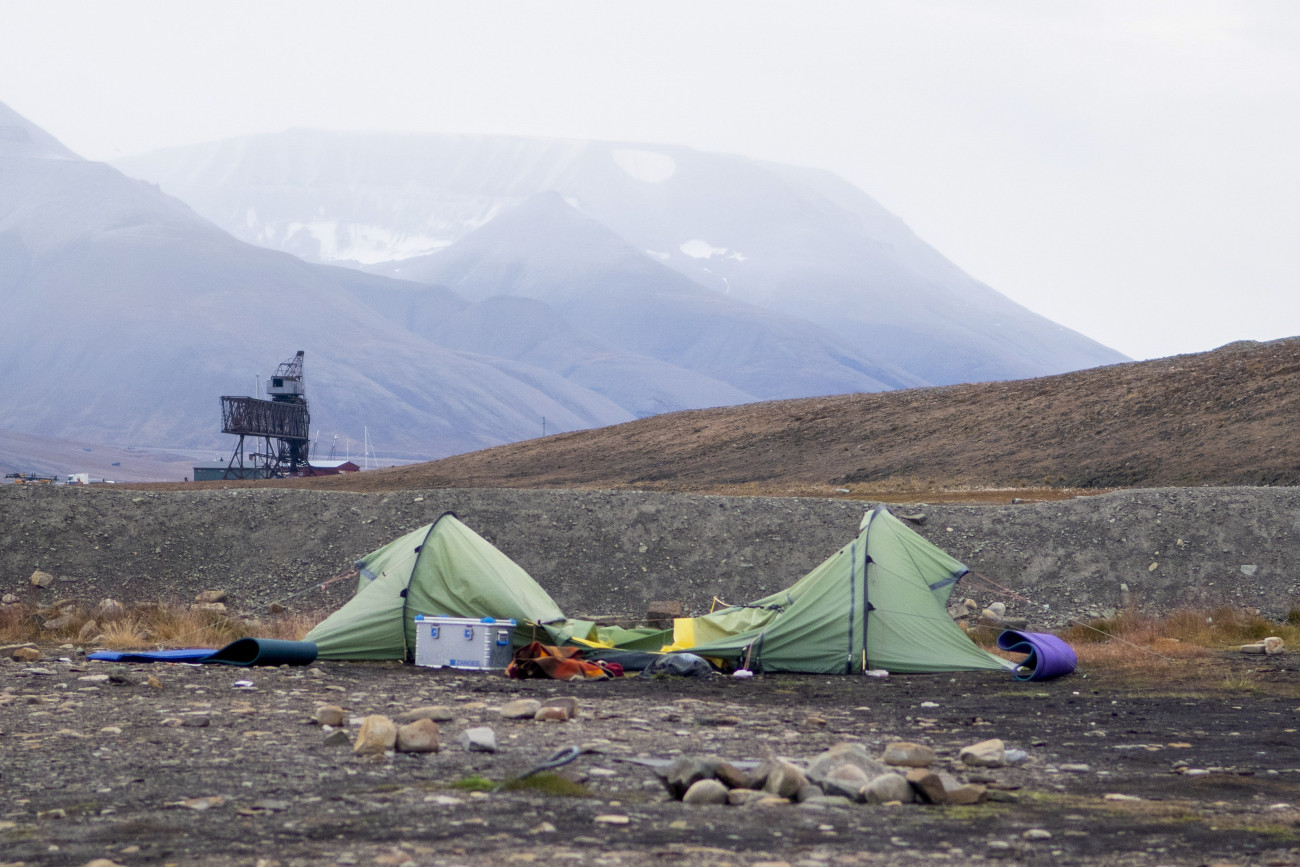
(610, 553)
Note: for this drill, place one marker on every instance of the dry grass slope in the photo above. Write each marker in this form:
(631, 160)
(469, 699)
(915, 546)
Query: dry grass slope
(1225, 417)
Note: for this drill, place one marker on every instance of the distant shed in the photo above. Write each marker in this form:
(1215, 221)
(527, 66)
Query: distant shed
(330, 468)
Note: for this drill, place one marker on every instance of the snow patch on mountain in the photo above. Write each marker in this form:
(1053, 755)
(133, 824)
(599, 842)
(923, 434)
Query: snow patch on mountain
(648, 166)
(698, 249)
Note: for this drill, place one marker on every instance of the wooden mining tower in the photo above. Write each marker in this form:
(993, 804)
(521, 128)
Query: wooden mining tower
(281, 424)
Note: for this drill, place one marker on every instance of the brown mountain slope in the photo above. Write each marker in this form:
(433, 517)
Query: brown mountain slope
(1226, 417)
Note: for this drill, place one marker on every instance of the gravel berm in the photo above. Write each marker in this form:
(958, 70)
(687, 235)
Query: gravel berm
(610, 553)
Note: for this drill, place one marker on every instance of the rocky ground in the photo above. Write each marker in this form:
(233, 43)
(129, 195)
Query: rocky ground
(203, 769)
(215, 765)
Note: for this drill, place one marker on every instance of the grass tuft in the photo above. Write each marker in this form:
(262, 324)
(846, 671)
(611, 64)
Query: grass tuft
(145, 626)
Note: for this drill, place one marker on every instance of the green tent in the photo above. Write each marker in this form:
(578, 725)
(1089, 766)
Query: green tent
(880, 602)
(877, 603)
(444, 568)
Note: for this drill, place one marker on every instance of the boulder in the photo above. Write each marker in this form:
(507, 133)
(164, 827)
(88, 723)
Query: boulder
(684, 772)
(109, 609)
(906, 754)
(211, 596)
(705, 792)
(437, 713)
(959, 793)
(480, 739)
(844, 753)
(377, 735)
(985, 754)
(886, 788)
(26, 654)
(522, 708)
(785, 779)
(567, 706)
(328, 715)
(926, 784)
(41, 579)
(847, 781)
(420, 736)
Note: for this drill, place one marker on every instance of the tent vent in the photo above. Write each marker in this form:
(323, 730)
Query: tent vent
(938, 585)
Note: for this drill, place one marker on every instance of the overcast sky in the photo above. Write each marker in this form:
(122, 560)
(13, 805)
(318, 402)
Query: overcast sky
(1129, 169)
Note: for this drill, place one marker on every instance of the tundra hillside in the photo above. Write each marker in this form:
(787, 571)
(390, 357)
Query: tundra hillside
(1226, 417)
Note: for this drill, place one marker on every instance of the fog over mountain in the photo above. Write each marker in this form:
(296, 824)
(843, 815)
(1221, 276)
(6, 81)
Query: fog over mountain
(793, 241)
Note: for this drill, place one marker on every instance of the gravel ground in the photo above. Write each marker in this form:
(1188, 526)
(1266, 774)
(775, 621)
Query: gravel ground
(604, 553)
(199, 769)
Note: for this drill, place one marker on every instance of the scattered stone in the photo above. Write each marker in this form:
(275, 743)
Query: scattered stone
(109, 609)
(420, 736)
(328, 715)
(337, 738)
(959, 793)
(62, 621)
(542, 828)
(1075, 768)
(523, 708)
(612, 819)
(847, 781)
(886, 788)
(551, 714)
(927, 784)
(734, 778)
(706, 792)
(999, 609)
(1249, 571)
(437, 713)
(275, 608)
(198, 721)
(26, 654)
(1037, 834)
(568, 705)
(784, 780)
(9, 599)
(846, 752)
(480, 739)
(41, 579)
(377, 735)
(121, 675)
(684, 772)
(153, 682)
(214, 607)
(909, 755)
(985, 754)
(210, 596)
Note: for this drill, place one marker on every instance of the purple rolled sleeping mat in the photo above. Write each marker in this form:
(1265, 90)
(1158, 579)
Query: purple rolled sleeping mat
(1048, 656)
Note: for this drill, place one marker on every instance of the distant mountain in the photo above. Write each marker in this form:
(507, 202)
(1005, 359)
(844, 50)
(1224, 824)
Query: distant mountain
(128, 315)
(546, 250)
(798, 242)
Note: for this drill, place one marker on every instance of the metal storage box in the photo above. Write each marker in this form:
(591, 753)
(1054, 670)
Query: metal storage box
(463, 642)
